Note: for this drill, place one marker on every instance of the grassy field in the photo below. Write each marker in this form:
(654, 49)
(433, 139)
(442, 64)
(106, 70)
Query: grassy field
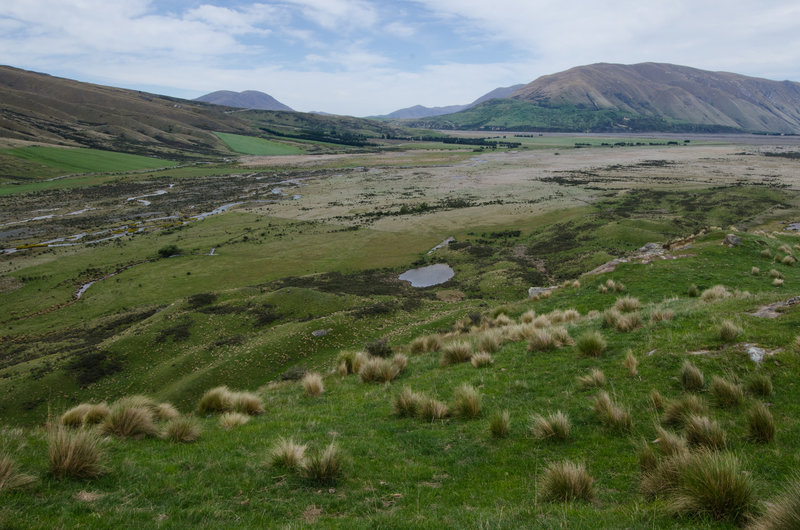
(250, 145)
(83, 160)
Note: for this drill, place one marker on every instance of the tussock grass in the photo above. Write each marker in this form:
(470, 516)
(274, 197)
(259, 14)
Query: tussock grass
(612, 415)
(288, 454)
(592, 344)
(165, 412)
(782, 513)
(759, 385)
(691, 377)
(775, 273)
(407, 403)
(576, 284)
(216, 400)
(718, 292)
(433, 409)
(400, 361)
(660, 315)
(626, 304)
(766, 253)
(614, 286)
(500, 423)
(656, 400)
(725, 393)
(755, 271)
(777, 282)
(728, 331)
(75, 454)
(789, 260)
(693, 291)
(519, 332)
(527, 317)
(571, 315)
(556, 316)
(622, 322)
(555, 426)
(96, 413)
(677, 412)
(348, 362)
(594, 379)
(136, 401)
(566, 481)
(760, 424)
(503, 320)
(183, 429)
(490, 341)
(467, 401)
(561, 336)
(379, 370)
(670, 443)
(248, 403)
(74, 417)
(10, 477)
(482, 360)
(703, 432)
(129, 422)
(646, 456)
(541, 340)
(786, 249)
(631, 364)
(542, 321)
(326, 467)
(455, 353)
(230, 420)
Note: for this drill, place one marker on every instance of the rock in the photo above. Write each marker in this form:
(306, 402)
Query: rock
(319, 332)
(732, 240)
(756, 354)
(651, 247)
(533, 291)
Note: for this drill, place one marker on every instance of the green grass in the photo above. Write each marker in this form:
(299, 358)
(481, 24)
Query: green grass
(83, 160)
(251, 145)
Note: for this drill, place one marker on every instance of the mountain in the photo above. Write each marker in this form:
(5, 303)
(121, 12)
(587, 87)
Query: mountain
(640, 97)
(249, 99)
(419, 111)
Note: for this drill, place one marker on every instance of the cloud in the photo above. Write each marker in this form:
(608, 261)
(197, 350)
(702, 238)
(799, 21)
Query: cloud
(338, 14)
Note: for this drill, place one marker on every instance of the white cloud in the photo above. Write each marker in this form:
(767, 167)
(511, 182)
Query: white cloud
(339, 14)
(399, 29)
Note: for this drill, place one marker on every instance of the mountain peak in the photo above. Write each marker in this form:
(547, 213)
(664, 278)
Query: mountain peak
(248, 99)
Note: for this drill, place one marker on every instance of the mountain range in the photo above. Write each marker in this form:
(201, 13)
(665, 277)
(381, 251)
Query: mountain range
(249, 99)
(419, 111)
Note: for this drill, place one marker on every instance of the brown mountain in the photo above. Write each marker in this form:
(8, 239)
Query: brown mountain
(673, 93)
(249, 99)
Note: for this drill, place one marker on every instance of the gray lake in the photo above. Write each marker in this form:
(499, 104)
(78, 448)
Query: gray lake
(428, 276)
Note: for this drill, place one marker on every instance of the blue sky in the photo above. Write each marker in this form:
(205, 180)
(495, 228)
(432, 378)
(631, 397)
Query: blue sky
(366, 57)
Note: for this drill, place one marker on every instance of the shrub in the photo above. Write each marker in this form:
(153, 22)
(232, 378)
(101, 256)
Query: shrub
(379, 348)
(456, 352)
(591, 344)
(433, 409)
(594, 379)
(168, 251)
(378, 370)
(704, 432)
(325, 467)
(129, 422)
(728, 331)
(718, 292)
(566, 481)
(248, 403)
(782, 513)
(656, 400)
(760, 424)
(407, 403)
(229, 420)
(555, 426)
(467, 401)
(612, 415)
(760, 385)
(75, 454)
(74, 417)
(312, 384)
(219, 399)
(499, 424)
(631, 364)
(626, 304)
(10, 477)
(288, 454)
(726, 394)
(481, 360)
(165, 412)
(691, 377)
(677, 412)
(670, 443)
(183, 429)
(693, 291)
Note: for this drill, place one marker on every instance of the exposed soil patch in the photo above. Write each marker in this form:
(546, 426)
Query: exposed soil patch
(775, 310)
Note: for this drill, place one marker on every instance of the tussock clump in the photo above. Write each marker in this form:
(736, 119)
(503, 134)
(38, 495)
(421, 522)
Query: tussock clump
(670, 443)
(183, 429)
(592, 344)
(631, 364)
(626, 304)
(326, 467)
(760, 424)
(287, 454)
(165, 412)
(777, 282)
(760, 385)
(561, 337)
(433, 409)
(129, 422)
(96, 413)
(728, 331)
(542, 321)
(500, 423)
(571, 315)
(566, 481)
(782, 513)
(379, 370)
(407, 403)
(602, 289)
(249, 403)
(775, 273)
(656, 400)
(10, 477)
(594, 379)
(664, 478)
(677, 412)
(490, 341)
(230, 420)
(693, 291)
(766, 253)
(612, 415)
(467, 402)
(137, 401)
(542, 340)
(400, 361)
(75, 454)
(788, 260)
(519, 332)
(576, 284)
(482, 360)
(455, 353)
(725, 393)
(74, 417)
(503, 320)
(646, 456)
(659, 315)
(703, 432)
(429, 343)
(528, 316)
(216, 400)
(622, 322)
(379, 348)
(417, 345)
(555, 426)
(556, 316)
(786, 249)
(691, 377)
(348, 362)
(613, 286)
(718, 292)
(755, 271)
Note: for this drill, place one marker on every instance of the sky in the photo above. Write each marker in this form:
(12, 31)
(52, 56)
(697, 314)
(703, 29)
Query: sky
(371, 57)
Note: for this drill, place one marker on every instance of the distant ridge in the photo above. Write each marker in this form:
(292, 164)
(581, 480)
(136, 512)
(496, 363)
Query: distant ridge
(419, 111)
(249, 99)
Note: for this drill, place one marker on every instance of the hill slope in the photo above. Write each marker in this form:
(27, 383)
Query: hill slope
(420, 111)
(249, 99)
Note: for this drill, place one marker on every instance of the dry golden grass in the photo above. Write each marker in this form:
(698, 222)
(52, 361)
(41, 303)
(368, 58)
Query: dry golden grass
(541, 340)
(669, 443)
(407, 403)
(555, 426)
(165, 412)
(626, 304)
(656, 400)
(542, 321)
(718, 292)
(482, 360)
(129, 422)
(96, 413)
(678, 411)
(691, 377)
(433, 409)
(312, 384)
(230, 420)
(490, 341)
(566, 481)
(326, 467)
(248, 403)
(288, 454)
(612, 415)
(74, 417)
(183, 429)
(702, 431)
(379, 370)
(782, 513)
(760, 424)
(660, 315)
(594, 379)
(500, 424)
(467, 401)
(10, 477)
(75, 454)
(528, 317)
(456, 352)
(728, 331)
(631, 364)
(216, 400)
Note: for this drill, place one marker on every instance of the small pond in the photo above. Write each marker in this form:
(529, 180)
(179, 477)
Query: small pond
(428, 276)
